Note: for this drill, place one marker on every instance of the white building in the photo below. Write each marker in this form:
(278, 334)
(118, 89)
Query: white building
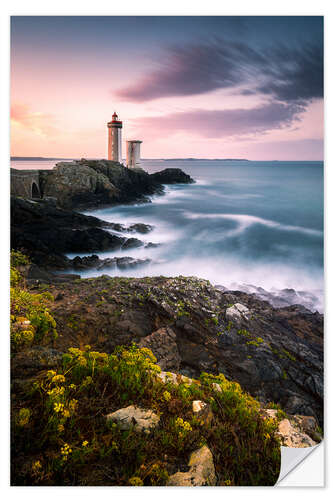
(114, 139)
(133, 159)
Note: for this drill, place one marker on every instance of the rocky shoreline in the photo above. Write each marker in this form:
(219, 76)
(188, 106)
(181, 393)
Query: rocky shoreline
(273, 349)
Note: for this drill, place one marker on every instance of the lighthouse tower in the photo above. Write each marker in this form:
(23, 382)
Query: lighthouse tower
(114, 138)
(133, 154)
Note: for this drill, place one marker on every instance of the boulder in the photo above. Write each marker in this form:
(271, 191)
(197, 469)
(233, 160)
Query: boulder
(292, 437)
(237, 314)
(141, 420)
(201, 472)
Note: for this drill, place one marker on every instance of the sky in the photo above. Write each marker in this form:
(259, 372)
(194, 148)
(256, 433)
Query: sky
(202, 87)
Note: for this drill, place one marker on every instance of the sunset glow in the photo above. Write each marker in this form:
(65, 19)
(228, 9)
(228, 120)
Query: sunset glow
(187, 87)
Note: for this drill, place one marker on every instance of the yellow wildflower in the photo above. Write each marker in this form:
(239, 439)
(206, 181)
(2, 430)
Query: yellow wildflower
(84, 443)
(166, 396)
(58, 378)
(58, 407)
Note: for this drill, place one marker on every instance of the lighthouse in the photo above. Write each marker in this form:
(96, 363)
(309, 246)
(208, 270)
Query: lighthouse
(114, 138)
(133, 159)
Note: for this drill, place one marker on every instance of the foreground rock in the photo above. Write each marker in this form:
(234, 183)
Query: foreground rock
(139, 419)
(295, 431)
(275, 354)
(201, 472)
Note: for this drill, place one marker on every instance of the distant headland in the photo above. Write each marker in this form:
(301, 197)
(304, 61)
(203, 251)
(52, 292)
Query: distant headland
(42, 158)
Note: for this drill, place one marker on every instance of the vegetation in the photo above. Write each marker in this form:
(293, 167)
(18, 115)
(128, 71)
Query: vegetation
(60, 435)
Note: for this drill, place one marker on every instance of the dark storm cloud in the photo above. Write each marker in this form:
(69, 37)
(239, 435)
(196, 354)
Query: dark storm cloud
(285, 73)
(224, 123)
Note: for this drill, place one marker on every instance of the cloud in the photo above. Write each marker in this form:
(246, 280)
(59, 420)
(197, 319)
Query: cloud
(37, 122)
(284, 73)
(223, 123)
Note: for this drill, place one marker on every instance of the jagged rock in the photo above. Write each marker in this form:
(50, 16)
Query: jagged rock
(201, 473)
(74, 184)
(164, 346)
(46, 233)
(131, 243)
(203, 412)
(140, 419)
(290, 436)
(237, 313)
(140, 228)
(172, 176)
(281, 298)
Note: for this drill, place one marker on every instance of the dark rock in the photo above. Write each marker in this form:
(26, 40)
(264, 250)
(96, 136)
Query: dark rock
(164, 346)
(140, 228)
(45, 233)
(172, 176)
(31, 361)
(131, 243)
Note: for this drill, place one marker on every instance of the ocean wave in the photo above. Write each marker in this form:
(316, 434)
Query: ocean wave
(245, 221)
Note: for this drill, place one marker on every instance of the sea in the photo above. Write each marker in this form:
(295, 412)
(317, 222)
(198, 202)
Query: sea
(241, 223)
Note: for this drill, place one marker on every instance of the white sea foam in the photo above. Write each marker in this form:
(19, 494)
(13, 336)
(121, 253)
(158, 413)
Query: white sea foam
(245, 221)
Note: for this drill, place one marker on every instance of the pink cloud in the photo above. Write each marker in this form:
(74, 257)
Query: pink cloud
(39, 123)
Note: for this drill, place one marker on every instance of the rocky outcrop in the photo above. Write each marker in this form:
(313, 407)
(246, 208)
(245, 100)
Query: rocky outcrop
(45, 233)
(201, 470)
(87, 183)
(172, 176)
(93, 261)
(282, 298)
(275, 354)
(163, 345)
(141, 420)
(74, 184)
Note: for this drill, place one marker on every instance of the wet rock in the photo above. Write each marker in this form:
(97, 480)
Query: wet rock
(172, 176)
(45, 233)
(131, 243)
(164, 346)
(140, 228)
(121, 263)
(201, 472)
(141, 420)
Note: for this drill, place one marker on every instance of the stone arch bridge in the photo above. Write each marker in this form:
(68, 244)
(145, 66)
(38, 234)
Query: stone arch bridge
(27, 183)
